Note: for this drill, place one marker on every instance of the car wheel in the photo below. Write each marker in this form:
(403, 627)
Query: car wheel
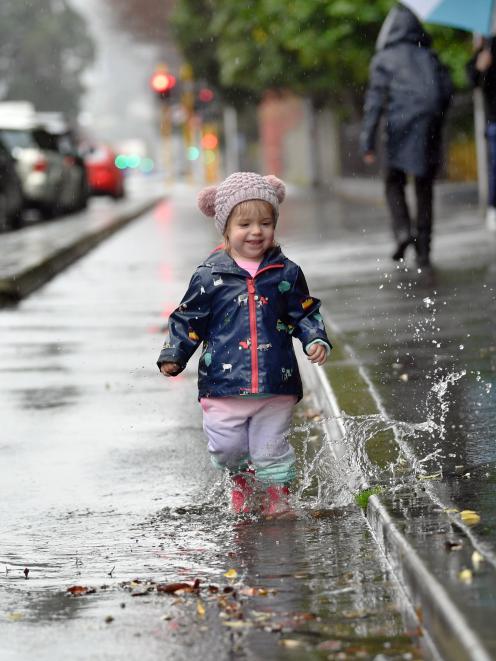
(16, 212)
(48, 211)
(16, 220)
(83, 197)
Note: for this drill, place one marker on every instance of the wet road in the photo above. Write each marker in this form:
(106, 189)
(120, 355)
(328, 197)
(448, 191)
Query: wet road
(106, 484)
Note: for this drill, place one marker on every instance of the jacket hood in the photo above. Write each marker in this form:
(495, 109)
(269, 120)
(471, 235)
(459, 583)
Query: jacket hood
(402, 26)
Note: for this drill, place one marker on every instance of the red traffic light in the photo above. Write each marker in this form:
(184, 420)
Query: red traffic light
(205, 95)
(162, 82)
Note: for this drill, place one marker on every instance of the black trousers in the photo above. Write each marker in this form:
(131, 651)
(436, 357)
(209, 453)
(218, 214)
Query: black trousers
(403, 229)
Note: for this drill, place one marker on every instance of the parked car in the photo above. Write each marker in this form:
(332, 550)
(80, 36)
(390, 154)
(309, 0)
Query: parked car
(11, 198)
(52, 173)
(75, 189)
(104, 176)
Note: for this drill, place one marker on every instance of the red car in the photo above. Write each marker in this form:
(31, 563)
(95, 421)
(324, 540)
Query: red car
(104, 177)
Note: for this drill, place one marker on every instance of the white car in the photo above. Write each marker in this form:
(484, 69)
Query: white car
(52, 180)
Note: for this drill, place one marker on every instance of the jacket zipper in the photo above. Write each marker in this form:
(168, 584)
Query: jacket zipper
(252, 312)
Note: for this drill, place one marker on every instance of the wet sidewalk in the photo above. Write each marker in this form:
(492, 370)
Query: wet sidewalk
(414, 375)
(107, 486)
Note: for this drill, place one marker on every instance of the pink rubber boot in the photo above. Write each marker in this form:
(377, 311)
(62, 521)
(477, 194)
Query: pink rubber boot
(276, 500)
(241, 492)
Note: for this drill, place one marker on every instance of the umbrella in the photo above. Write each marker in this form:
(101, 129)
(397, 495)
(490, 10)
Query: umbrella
(470, 15)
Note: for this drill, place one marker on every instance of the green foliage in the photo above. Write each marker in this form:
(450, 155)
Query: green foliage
(191, 24)
(455, 49)
(44, 48)
(317, 48)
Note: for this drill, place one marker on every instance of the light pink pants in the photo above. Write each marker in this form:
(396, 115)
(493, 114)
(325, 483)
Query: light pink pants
(251, 430)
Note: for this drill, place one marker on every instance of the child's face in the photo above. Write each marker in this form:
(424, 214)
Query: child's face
(250, 230)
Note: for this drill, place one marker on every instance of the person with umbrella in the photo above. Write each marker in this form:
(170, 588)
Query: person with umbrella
(412, 89)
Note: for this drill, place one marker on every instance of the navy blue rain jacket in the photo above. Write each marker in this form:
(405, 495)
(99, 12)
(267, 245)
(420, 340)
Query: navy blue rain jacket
(246, 326)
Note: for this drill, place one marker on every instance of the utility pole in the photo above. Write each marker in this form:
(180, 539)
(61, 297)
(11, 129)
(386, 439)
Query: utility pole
(162, 83)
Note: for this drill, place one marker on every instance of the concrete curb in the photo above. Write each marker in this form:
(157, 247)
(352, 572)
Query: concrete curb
(446, 629)
(370, 191)
(20, 285)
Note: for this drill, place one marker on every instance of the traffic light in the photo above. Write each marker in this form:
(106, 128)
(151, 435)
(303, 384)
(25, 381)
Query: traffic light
(205, 95)
(162, 83)
(206, 103)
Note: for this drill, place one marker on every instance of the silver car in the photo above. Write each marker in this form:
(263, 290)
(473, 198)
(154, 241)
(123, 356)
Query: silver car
(39, 164)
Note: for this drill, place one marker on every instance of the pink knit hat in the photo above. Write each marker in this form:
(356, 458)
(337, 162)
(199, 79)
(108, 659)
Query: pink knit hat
(219, 201)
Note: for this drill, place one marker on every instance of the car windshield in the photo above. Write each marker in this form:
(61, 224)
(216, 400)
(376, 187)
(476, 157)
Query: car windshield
(14, 138)
(28, 139)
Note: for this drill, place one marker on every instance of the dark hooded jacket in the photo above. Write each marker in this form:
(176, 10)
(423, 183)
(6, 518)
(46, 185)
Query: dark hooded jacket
(413, 89)
(246, 326)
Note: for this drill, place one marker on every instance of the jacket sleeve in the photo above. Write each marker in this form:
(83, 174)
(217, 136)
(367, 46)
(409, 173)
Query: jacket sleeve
(188, 325)
(375, 101)
(303, 313)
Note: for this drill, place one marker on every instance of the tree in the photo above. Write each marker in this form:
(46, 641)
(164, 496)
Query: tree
(317, 48)
(44, 49)
(193, 26)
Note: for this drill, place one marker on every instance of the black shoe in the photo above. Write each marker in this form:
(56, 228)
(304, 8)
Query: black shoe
(399, 253)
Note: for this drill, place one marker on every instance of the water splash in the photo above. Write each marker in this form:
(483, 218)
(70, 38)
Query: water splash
(332, 471)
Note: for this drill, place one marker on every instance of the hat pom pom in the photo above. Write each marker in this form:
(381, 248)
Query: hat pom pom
(277, 185)
(206, 201)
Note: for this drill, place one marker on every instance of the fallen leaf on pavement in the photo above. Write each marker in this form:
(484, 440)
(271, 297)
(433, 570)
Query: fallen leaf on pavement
(231, 573)
(261, 615)
(257, 592)
(477, 558)
(249, 592)
(465, 576)
(170, 588)
(15, 617)
(290, 643)
(470, 517)
(453, 545)
(200, 609)
(80, 589)
(237, 624)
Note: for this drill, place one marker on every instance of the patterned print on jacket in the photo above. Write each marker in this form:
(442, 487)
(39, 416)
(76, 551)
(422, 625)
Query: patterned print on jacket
(252, 353)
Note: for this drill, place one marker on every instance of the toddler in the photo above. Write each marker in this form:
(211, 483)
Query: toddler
(245, 304)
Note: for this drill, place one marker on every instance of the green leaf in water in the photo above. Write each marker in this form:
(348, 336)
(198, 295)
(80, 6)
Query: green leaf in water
(362, 497)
